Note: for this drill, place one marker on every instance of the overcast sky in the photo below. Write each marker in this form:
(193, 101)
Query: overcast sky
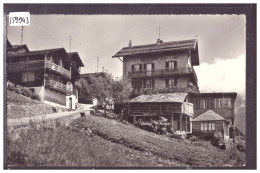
(221, 40)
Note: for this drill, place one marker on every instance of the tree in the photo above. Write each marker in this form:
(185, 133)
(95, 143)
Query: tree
(105, 89)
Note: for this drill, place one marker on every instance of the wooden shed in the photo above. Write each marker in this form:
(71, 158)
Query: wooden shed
(208, 123)
(175, 106)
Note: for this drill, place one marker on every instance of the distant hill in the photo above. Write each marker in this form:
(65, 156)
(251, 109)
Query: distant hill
(240, 114)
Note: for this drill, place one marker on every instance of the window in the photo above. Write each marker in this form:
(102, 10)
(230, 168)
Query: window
(207, 126)
(202, 104)
(225, 103)
(28, 77)
(171, 65)
(207, 103)
(149, 84)
(197, 104)
(137, 84)
(137, 67)
(171, 82)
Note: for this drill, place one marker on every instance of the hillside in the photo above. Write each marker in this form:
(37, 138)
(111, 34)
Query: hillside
(19, 106)
(100, 142)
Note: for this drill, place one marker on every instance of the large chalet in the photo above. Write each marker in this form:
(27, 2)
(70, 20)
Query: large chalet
(51, 73)
(165, 84)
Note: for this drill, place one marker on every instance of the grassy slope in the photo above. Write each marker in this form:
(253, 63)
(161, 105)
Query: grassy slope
(179, 150)
(20, 106)
(66, 147)
(113, 145)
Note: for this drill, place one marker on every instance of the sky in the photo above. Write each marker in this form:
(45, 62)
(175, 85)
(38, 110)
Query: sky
(221, 41)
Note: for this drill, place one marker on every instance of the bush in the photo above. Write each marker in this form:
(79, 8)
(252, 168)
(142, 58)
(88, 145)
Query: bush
(26, 92)
(18, 90)
(35, 96)
(193, 138)
(10, 86)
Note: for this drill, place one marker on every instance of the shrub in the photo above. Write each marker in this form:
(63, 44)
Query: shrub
(10, 86)
(193, 138)
(18, 90)
(35, 96)
(26, 92)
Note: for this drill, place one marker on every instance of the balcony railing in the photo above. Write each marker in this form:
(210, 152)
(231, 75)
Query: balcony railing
(57, 68)
(25, 66)
(175, 89)
(161, 72)
(160, 109)
(153, 110)
(187, 108)
(58, 86)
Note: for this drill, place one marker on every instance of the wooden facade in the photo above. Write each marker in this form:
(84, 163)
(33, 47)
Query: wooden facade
(48, 73)
(173, 106)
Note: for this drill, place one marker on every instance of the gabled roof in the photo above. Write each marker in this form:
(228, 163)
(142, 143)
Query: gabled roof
(75, 56)
(209, 116)
(61, 51)
(17, 47)
(163, 97)
(86, 75)
(8, 45)
(38, 52)
(191, 45)
(219, 94)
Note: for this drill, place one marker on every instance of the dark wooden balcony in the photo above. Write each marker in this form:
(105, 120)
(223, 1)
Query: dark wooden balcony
(37, 65)
(162, 72)
(25, 66)
(58, 86)
(160, 109)
(58, 69)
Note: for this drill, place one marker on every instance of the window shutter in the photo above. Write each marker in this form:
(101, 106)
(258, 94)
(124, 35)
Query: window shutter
(167, 83)
(152, 66)
(153, 83)
(132, 67)
(167, 65)
(144, 66)
(140, 67)
(175, 64)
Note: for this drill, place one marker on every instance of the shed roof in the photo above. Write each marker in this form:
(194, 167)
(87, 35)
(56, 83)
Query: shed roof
(191, 45)
(75, 56)
(164, 97)
(17, 47)
(209, 116)
(38, 52)
(215, 94)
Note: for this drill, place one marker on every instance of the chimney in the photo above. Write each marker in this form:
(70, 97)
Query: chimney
(130, 43)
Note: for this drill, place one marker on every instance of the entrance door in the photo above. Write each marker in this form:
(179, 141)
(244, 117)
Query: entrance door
(70, 103)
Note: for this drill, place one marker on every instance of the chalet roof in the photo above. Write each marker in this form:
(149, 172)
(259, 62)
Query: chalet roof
(86, 75)
(8, 45)
(15, 47)
(163, 97)
(38, 52)
(222, 94)
(191, 45)
(209, 116)
(75, 56)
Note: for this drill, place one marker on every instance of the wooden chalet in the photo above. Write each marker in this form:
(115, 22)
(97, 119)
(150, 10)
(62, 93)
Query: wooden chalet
(173, 106)
(48, 73)
(213, 112)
